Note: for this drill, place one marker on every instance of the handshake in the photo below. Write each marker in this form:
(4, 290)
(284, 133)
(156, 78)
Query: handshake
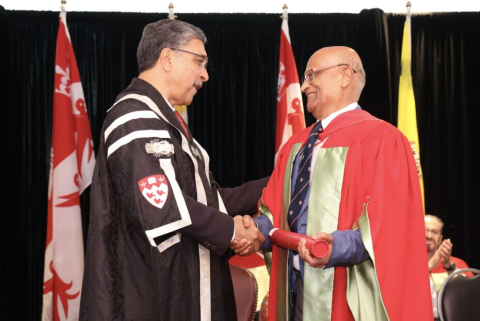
(248, 238)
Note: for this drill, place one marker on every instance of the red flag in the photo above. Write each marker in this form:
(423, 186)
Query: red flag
(290, 119)
(290, 116)
(71, 168)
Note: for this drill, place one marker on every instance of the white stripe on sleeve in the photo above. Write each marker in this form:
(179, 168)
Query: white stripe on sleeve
(130, 116)
(138, 134)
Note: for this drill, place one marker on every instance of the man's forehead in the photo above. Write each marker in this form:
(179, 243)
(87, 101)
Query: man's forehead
(196, 46)
(318, 59)
(432, 222)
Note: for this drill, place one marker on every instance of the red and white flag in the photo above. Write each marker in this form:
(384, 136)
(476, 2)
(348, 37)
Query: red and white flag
(290, 116)
(290, 119)
(71, 167)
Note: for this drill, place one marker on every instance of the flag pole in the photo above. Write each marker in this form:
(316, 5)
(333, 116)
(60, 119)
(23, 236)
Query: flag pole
(72, 162)
(290, 115)
(407, 116)
(170, 9)
(285, 12)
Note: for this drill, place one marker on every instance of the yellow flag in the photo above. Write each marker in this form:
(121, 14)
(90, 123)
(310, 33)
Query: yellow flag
(182, 110)
(407, 117)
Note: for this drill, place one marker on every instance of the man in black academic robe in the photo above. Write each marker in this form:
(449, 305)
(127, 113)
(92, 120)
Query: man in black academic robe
(159, 230)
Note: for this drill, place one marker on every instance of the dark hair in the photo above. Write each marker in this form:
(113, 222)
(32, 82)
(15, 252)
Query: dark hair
(167, 33)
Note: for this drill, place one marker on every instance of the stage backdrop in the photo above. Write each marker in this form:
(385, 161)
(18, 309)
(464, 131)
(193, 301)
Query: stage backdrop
(233, 116)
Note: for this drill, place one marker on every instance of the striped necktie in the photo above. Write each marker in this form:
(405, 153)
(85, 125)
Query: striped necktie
(302, 183)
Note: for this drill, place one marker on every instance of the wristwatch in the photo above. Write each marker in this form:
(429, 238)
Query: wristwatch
(452, 267)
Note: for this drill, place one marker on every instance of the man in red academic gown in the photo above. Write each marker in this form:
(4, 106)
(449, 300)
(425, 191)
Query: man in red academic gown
(362, 197)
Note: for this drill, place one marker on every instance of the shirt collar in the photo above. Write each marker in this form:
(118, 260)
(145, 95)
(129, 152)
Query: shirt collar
(173, 109)
(332, 116)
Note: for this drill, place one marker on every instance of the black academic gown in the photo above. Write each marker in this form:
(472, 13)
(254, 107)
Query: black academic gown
(157, 240)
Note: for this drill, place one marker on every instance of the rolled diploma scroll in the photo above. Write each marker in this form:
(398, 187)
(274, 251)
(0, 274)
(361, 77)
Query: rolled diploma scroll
(289, 240)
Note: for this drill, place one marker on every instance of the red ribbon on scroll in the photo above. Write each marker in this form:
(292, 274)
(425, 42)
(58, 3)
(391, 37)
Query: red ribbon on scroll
(289, 240)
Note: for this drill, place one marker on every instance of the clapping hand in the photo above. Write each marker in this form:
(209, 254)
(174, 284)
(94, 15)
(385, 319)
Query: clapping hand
(445, 251)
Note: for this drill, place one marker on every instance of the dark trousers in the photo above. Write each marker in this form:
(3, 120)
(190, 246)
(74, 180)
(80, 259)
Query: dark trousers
(299, 300)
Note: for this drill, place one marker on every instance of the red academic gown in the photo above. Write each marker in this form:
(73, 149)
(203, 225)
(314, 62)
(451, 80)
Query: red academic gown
(380, 181)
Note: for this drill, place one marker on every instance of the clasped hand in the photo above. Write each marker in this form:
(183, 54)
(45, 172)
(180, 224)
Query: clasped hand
(248, 238)
(311, 260)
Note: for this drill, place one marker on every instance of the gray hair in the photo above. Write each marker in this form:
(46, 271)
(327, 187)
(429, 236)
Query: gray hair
(167, 33)
(357, 66)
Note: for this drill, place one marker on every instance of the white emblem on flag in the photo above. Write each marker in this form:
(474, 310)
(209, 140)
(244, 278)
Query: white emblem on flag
(64, 86)
(281, 81)
(159, 148)
(155, 189)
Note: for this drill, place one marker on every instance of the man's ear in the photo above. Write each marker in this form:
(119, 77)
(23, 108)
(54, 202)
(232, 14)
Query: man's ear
(165, 59)
(347, 76)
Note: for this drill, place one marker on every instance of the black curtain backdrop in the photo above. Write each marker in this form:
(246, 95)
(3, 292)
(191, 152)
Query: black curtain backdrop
(233, 116)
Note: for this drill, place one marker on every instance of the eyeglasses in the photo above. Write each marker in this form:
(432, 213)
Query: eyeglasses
(310, 74)
(205, 58)
(434, 232)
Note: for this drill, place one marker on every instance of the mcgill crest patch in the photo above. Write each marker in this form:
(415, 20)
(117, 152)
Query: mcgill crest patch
(155, 189)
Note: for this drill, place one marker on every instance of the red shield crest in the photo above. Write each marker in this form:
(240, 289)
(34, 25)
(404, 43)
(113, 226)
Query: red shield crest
(155, 189)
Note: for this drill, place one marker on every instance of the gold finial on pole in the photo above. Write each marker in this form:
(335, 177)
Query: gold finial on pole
(409, 6)
(171, 15)
(63, 2)
(285, 13)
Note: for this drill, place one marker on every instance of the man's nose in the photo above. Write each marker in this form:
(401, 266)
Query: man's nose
(304, 86)
(204, 75)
